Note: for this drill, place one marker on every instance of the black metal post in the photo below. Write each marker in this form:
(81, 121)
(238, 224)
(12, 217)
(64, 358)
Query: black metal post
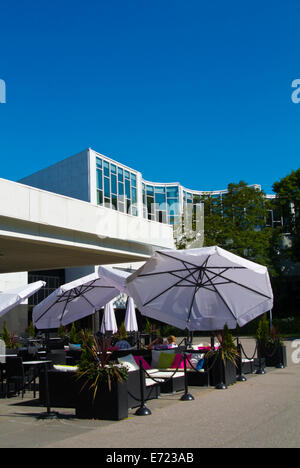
(49, 414)
(186, 396)
(240, 377)
(212, 341)
(221, 385)
(260, 370)
(142, 410)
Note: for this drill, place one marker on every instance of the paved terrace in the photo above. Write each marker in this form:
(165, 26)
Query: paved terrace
(262, 412)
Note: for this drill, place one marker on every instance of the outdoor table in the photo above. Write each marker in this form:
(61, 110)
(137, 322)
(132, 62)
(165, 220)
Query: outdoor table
(38, 364)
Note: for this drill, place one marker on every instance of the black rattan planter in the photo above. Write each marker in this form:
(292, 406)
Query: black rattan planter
(222, 373)
(276, 356)
(111, 405)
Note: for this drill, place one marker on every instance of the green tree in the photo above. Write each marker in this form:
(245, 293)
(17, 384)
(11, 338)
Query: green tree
(288, 201)
(237, 223)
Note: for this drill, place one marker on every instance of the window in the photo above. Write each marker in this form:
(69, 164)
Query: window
(99, 179)
(133, 180)
(120, 174)
(106, 168)
(106, 187)
(172, 192)
(113, 184)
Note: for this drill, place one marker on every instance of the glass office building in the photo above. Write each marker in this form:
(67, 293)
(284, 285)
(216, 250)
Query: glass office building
(98, 179)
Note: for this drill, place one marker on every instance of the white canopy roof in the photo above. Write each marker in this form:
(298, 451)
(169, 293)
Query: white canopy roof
(201, 289)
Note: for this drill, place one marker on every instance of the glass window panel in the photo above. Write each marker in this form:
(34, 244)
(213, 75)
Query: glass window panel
(121, 206)
(161, 216)
(99, 197)
(99, 163)
(114, 202)
(106, 168)
(127, 175)
(134, 211)
(121, 188)
(150, 190)
(172, 192)
(113, 181)
(133, 195)
(128, 211)
(106, 187)
(99, 179)
(127, 188)
(160, 199)
(133, 180)
(160, 190)
(113, 169)
(173, 207)
(107, 202)
(120, 175)
(150, 205)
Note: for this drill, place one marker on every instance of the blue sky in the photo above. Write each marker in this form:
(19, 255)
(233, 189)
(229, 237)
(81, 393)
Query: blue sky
(196, 92)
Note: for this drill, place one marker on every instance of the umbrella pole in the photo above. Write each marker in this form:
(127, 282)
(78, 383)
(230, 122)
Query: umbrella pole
(240, 377)
(142, 410)
(186, 396)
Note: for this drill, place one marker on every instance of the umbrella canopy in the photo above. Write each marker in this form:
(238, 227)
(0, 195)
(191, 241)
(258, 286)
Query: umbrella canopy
(75, 300)
(114, 277)
(201, 289)
(13, 297)
(130, 317)
(109, 322)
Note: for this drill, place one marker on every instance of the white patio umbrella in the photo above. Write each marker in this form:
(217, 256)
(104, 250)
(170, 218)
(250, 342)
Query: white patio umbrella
(13, 297)
(130, 317)
(109, 322)
(74, 300)
(201, 289)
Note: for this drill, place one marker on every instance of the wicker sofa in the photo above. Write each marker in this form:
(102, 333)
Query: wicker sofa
(64, 388)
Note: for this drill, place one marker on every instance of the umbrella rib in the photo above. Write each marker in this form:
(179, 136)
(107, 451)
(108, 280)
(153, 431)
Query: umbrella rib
(166, 290)
(239, 284)
(63, 312)
(194, 295)
(44, 313)
(178, 259)
(164, 272)
(222, 298)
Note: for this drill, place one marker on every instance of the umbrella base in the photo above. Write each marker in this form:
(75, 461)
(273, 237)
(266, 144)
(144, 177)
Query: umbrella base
(221, 386)
(49, 415)
(143, 411)
(187, 397)
(241, 378)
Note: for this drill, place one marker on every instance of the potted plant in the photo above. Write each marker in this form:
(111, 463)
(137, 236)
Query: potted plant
(270, 345)
(10, 340)
(223, 360)
(102, 390)
(271, 349)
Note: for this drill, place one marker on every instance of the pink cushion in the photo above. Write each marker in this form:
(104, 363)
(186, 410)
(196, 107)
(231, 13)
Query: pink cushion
(178, 358)
(145, 363)
(206, 348)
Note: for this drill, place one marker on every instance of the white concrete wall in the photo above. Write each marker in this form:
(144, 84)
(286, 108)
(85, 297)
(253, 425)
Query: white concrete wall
(70, 177)
(13, 280)
(44, 208)
(16, 318)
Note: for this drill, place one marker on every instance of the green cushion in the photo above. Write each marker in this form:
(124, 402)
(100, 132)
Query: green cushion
(165, 360)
